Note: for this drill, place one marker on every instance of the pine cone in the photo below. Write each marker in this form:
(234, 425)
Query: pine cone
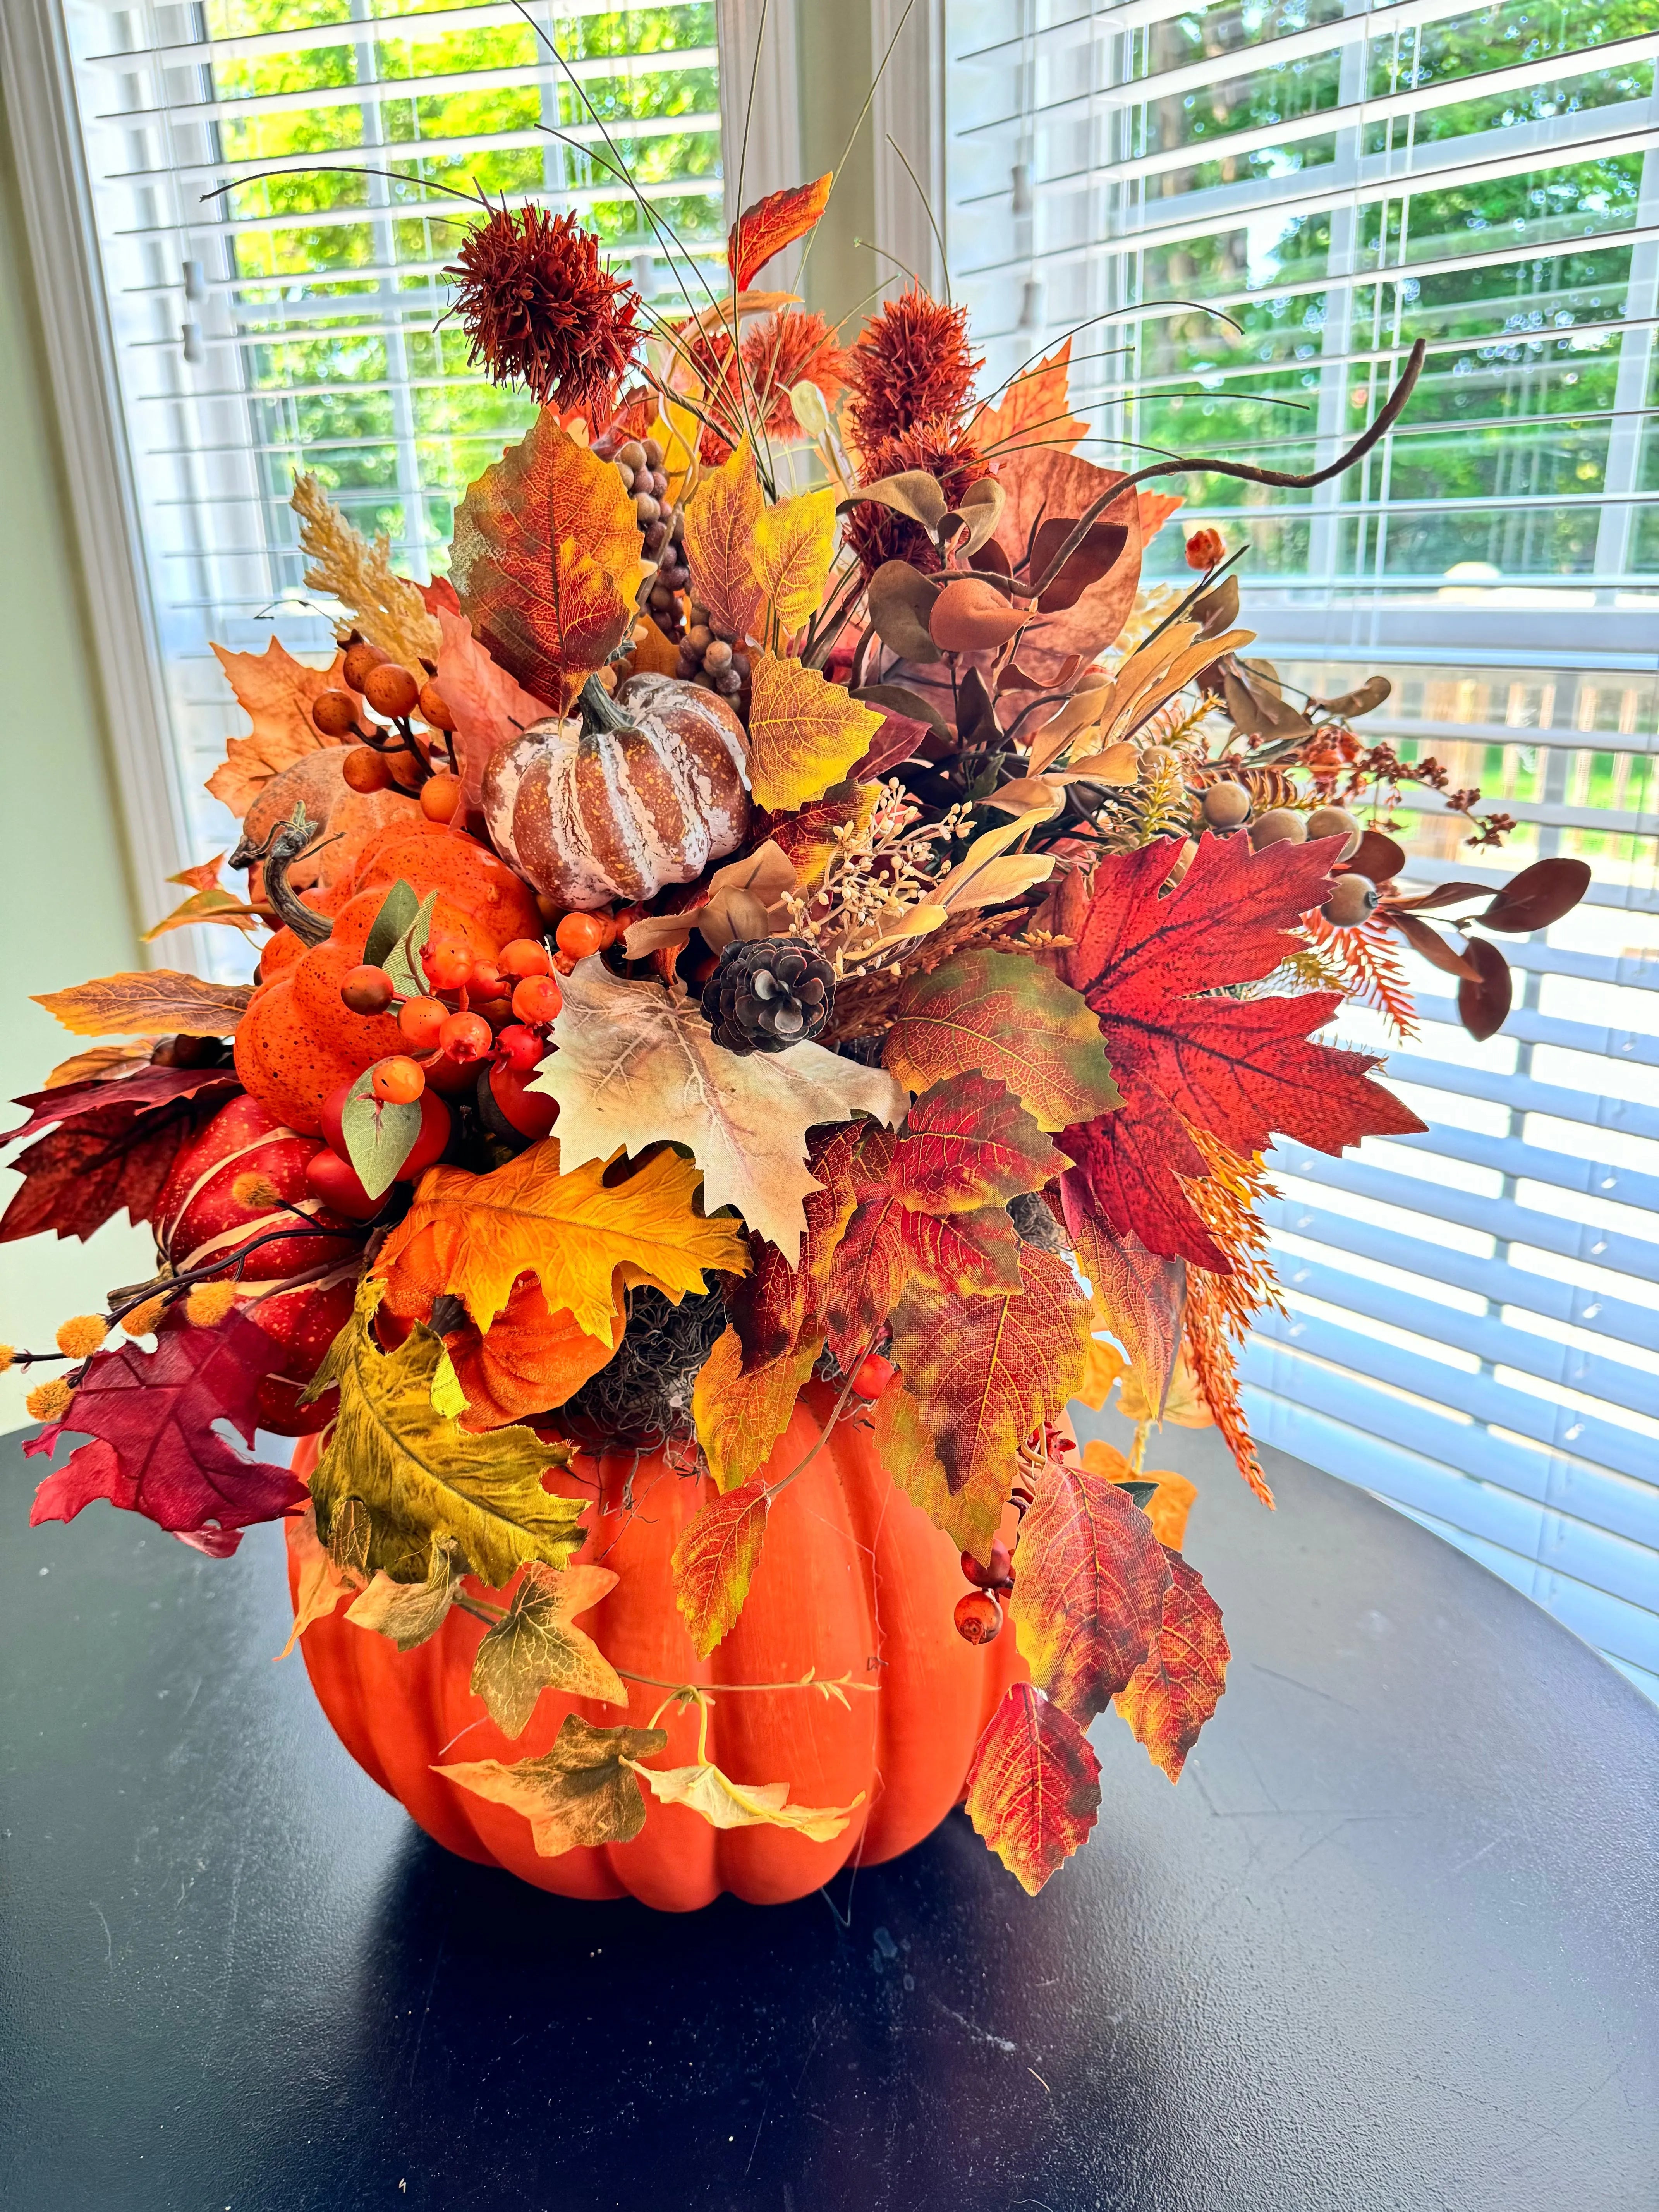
(768, 993)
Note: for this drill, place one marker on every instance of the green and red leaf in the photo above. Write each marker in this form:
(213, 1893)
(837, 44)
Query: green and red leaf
(1004, 1017)
(715, 1559)
(1170, 1696)
(1034, 1787)
(1090, 1587)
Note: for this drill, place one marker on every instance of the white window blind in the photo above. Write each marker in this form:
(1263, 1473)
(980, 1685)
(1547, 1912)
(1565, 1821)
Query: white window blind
(295, 322)
(1474, 1325)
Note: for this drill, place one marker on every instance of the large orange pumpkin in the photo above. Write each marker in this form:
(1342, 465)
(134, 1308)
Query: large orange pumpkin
(853, 1581)
(297, 1042)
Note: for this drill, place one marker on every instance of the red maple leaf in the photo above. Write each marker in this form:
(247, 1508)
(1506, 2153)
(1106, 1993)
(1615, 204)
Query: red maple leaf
(156, 1447)
(113, 1144)
(1150, 961)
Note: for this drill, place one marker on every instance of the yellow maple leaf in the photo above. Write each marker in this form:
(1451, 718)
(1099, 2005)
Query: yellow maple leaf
(721, 521)
(423, 1482)
(727, 1804)
(790, 553)
(739, 1416)
(477, 1234)
(804, 732)
(580, 1791)
(536, 1646)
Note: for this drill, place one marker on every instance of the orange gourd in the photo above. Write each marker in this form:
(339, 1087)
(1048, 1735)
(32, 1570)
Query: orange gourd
(853, 1580)
(297, 1042)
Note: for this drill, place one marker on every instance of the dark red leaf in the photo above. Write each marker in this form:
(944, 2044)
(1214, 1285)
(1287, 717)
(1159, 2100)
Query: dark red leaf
(1442, 895)
(147, 1087)
(1033, 1791)
(115, 1147)
(1437, 950)
(1538, 895)
(157, 1449)
(1151, 963)
(1483, 1005)
(1376, 857)
(771, 224)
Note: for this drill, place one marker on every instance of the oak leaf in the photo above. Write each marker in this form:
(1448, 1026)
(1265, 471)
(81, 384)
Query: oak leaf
(114, 1143)
(529, 1362)
(536, 1646)
(772, 223)
(1034, 411)
(635, 1067)
(155, 1419)
(474, 1236)
(1034, 1787)
(580, 1792)
(1152, 962)
(804, 732)
(1011, 1019)
(423, 1479)
(721, 518)
(715, 1559)
(979, 1374)
(1090, 1590)
(790, 554)
(727, 1804)
(277, 693)
(156, 1002)
(1169, 1697)
(409, 1613)
(321, 1582)
(739, 1416)
(546, 561)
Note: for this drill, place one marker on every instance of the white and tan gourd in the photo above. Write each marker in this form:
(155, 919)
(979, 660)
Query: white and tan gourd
(624, 797)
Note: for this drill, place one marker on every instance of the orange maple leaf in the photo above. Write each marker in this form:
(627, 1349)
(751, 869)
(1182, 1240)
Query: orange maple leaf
(1035, 410)
(765, 229)
(276, 691)
(489, 705)
(721, 521)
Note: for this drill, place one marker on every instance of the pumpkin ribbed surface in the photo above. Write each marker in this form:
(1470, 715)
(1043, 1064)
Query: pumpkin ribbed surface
(853, 1580)
(591, 814)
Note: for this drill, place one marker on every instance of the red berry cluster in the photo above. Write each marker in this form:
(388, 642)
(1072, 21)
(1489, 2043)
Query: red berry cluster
(979, 1611)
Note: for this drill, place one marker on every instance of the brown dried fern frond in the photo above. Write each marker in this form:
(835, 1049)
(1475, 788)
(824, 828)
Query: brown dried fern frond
(384, 608)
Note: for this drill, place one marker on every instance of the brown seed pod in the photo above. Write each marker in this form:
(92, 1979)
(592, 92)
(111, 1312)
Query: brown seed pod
(1335, 822)
(1350, 903)
(367, 990)
(1278, 826)
(1225, 805)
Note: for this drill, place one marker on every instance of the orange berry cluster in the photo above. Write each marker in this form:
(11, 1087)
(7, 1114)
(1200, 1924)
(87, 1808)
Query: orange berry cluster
(399, 757)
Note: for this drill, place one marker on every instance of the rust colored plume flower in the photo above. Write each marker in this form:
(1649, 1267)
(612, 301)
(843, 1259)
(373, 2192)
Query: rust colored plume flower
(797, 347)
(910, 364)
(877, 534)
(541, 312)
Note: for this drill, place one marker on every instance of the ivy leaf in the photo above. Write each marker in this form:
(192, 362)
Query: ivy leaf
(739, 1416)
(409, 1613)
(1034, 1787)
(715, 1559)
(1004, 1017)
(536, 1647)
(422, 1479)
(772, 223)
(1170, 1698)
(379, 1135)
(889, 1245)
(979, 1374)
(321, 1584)
(790, 554)
(277, 693)
(635, 1067)
(721, 518)
(727, 1804)
(474, 1236)
(157, 1002)
(1090, 1591)
(804, 732)
(1154, 963)
(1141, 1298)
(580, 1792)
(155, 1420)
(530, 1361)
(1035, 410)
(114, 1145)
(546, 560)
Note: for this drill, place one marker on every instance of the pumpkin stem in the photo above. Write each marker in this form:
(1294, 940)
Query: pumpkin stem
(599, 711)
(276, 855)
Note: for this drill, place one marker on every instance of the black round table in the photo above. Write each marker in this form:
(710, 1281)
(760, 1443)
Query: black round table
(1389, 1945)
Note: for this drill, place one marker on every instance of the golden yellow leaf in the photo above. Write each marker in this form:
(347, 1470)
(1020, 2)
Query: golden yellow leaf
(1169, 1504)
(98, 1060)
(741, 1417)
(536, 1647)
(635, 1067)
(804, 732)
(322, 1583)
(1185, 1405)
(419, 1478)
(727, 1804)
(721, 521)
(409, 1612)
(581, 1791)
(476, 1235)
(1103, 1367)
(156, 1002)
(791, 550)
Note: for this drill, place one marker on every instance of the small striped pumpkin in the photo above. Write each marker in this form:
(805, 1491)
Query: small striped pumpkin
(624, 797)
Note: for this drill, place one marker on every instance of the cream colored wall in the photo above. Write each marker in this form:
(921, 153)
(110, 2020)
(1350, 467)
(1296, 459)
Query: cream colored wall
(65, 910)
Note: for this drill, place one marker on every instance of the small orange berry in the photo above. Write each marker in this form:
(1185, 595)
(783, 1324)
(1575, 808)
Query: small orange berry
(433, 709)
(465, 1037)
(365, 770)
(579, 934)
(421, 1020)
(537, 1000)
(360, 657)
(367, 990)
(397, 1081)
(334, 713)
(440, 797)
(526, 956)
(449, 967)
(390, 689)
(1205, 549)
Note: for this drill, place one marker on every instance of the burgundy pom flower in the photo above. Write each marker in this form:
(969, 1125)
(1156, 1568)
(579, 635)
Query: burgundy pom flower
(877, 534)
(540, 310)
(911, 364)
